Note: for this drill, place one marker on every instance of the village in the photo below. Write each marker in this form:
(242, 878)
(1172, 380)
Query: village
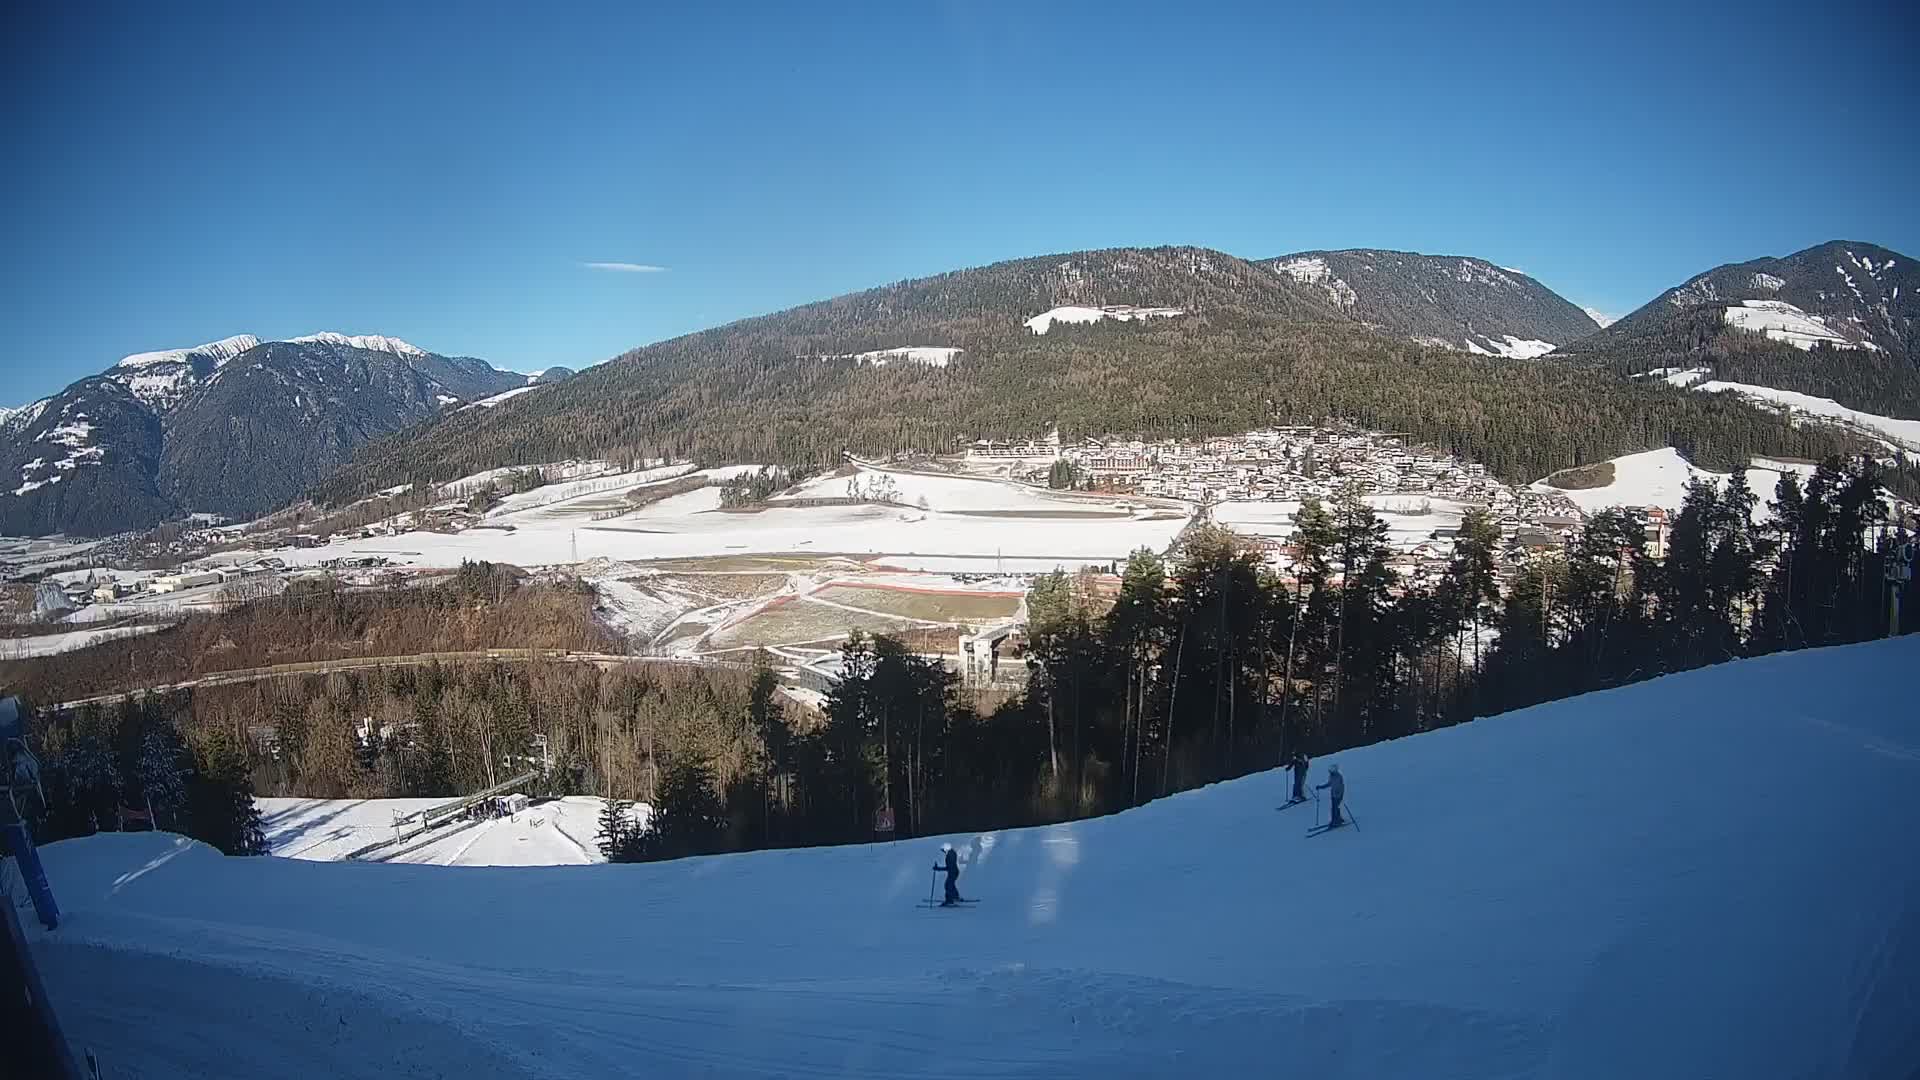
(1253, 483)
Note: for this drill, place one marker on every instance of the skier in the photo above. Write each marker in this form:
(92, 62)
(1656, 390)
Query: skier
(952, 867)
(1298, 763)
(1336, 787)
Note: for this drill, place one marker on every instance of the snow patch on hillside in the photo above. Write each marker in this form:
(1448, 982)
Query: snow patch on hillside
(1509, 346)
(1767, 282)
(1313, 270)
(1903, 433)
(928, 355)
(1074, 313)
(504, 395)
(218, 351)
(1475, 272)
(74, 433)
(1782, 321)
(24, 416)
(1694, 293)
(1677, 377)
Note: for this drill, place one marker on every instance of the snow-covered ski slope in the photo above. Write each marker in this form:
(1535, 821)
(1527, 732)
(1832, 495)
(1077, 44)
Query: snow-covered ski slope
(1707, 875)
(560, 832)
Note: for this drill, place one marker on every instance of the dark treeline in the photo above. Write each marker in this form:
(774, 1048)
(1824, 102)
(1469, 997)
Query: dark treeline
(482, 606)
(135, 766)
(433, 731)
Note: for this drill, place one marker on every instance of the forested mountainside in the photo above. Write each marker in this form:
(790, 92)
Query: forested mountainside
(1446, 300)
(1838, 320)
(235, 427)
(1229, 345)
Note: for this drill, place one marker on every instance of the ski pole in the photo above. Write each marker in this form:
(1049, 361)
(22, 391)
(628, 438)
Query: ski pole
(1351, 820)
(932, 883)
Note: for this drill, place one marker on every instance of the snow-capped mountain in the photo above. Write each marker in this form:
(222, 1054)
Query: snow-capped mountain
(1838, 321)
(370, 342)
(553, 374)
(232, 427)
(215, 352)
(162, 378)
(1842, 295)
(1442, 300)
(1600, 317)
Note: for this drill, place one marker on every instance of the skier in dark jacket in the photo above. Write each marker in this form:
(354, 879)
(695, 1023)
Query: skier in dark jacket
(952, 867)
(1336, 787)
(1298, 763)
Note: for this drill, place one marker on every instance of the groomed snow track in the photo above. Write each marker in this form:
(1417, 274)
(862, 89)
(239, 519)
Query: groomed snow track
(1710, 874)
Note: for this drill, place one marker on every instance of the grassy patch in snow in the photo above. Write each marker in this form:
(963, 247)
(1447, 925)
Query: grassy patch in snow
(926, 604)
(1583, 477)
(802, 620)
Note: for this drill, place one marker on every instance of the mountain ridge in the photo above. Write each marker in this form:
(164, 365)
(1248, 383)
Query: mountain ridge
(1839, 320)
(1139, 342)
(232, 427)
(1455, 301)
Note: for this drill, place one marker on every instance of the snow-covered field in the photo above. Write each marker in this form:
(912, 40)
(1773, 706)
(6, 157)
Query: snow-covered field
(968, 525)
(960, 494)
(557, 833)
(1782, 321)
(557, 494)
(1659, 478)
(1077, 314)
(1614, 885)
(20, 648)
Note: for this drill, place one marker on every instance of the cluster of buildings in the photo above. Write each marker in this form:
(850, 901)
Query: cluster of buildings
(53, 598)
(1285, 463)
(1420, 493)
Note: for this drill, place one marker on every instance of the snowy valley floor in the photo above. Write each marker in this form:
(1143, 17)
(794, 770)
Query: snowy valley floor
(1710, 874)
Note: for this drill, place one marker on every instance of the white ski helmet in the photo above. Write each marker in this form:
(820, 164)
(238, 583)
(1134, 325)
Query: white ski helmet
(1333, 768)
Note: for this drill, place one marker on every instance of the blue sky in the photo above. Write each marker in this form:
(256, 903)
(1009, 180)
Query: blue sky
(179, 173)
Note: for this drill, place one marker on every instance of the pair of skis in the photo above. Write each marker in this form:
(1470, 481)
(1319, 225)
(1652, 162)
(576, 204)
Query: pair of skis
(1317, 829)
(936, 904)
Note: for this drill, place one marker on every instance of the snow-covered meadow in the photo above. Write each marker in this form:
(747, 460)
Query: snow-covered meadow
(966, 524)
(1660, 478)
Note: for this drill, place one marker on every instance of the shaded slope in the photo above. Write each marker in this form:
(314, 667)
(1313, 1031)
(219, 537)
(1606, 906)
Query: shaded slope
(1461, 302)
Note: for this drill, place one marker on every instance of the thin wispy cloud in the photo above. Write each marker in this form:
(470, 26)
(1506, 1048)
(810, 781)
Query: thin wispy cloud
(625, 267)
